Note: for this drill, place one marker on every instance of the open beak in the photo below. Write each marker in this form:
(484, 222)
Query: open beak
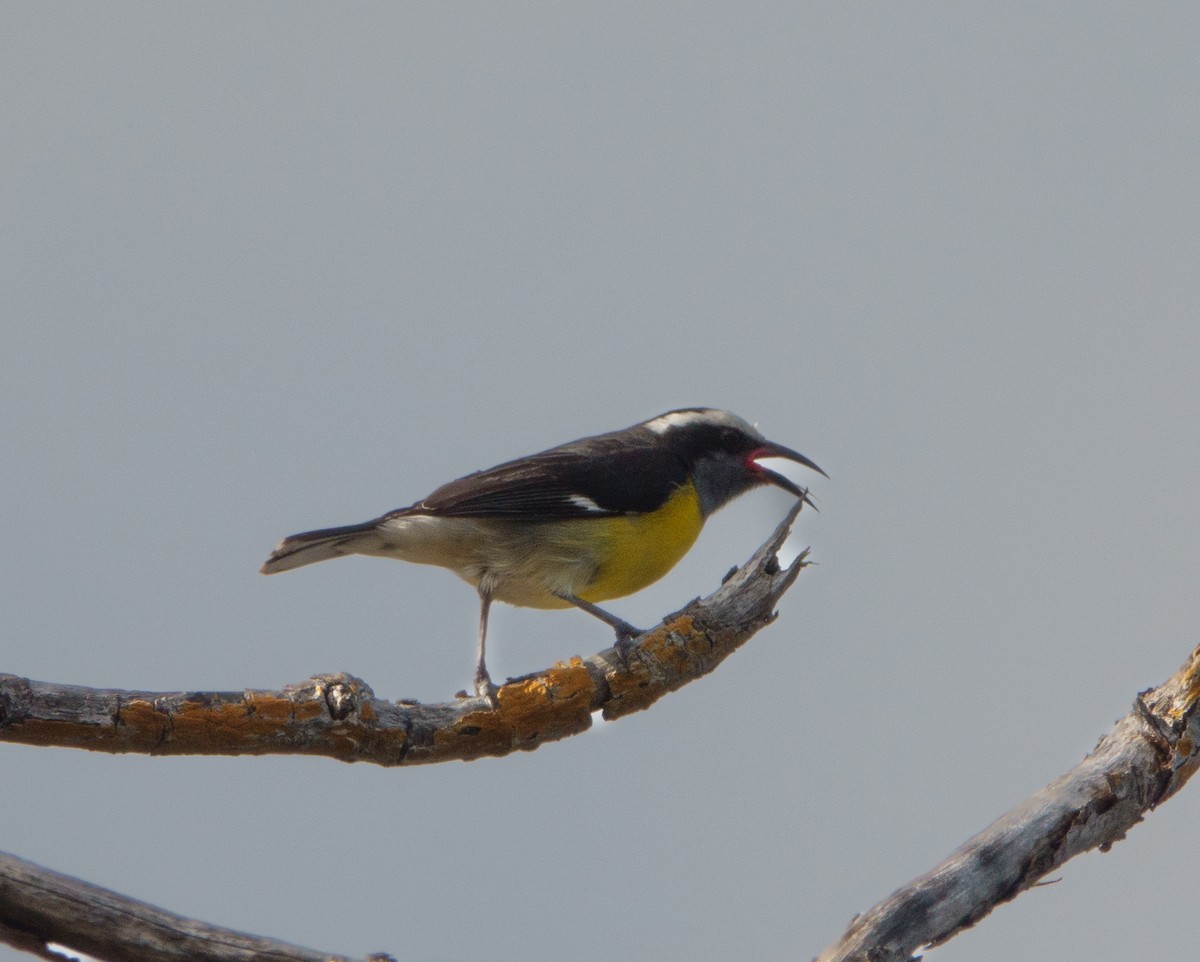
(772, 450)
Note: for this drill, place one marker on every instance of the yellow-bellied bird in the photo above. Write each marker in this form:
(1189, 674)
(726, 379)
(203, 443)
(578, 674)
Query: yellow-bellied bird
(594, 519)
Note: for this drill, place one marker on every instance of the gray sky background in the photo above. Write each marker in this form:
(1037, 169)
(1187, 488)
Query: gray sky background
(279, 266)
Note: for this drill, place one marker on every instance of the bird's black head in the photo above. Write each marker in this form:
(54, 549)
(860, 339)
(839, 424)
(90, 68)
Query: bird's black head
(722, 452)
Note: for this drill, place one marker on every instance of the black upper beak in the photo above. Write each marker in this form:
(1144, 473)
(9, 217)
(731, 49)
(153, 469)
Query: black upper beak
(772, 450)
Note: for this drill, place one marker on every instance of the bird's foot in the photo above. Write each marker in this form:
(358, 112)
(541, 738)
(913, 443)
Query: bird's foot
(624, 646)
(484, 688)
(625, 631)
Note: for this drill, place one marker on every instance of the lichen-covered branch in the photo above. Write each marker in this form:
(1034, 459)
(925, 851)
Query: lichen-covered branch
(339, 716)
(1141, 763)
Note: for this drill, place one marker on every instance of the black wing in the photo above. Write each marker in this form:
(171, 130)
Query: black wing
(592, 478)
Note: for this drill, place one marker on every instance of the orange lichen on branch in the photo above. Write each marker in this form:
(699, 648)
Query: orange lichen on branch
(228, 726)
(668, 658)
(142, 722)
(529, 711)
(559, 698)
(676, 645)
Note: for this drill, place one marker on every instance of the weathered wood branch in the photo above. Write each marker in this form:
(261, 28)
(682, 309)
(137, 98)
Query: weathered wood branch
(40, 908)
(1143, 761)
(339, 715)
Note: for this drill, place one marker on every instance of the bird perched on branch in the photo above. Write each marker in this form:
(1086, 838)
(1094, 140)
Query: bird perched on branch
(594, 519)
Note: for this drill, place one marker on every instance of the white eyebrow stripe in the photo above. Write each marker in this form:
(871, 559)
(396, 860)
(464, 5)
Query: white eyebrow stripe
(583, 501)
(678, 419)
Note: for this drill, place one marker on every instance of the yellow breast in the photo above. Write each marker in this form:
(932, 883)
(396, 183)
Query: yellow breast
(639, 549)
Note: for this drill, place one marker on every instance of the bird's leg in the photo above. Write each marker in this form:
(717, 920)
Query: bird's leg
(625, 631)
(483, 681)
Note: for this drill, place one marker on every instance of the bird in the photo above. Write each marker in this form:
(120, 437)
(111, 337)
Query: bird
(584, 522)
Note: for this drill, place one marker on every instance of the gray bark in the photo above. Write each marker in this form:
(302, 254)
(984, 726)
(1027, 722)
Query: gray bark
(41, 907)
(1143, 761)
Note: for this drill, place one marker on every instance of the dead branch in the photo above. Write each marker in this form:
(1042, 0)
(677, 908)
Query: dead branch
(43, 908)
(339, 715)
(1141, 763)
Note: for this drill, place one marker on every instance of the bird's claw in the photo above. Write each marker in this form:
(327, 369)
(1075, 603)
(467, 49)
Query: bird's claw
(625, 646)
(486, 689)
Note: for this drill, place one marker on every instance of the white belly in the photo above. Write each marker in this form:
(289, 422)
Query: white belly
(518, 564)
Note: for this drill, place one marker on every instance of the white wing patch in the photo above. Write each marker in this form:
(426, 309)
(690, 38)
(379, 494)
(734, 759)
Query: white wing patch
(586, 503)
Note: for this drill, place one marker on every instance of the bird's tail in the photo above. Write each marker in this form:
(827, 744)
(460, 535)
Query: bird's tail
(311, 546)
